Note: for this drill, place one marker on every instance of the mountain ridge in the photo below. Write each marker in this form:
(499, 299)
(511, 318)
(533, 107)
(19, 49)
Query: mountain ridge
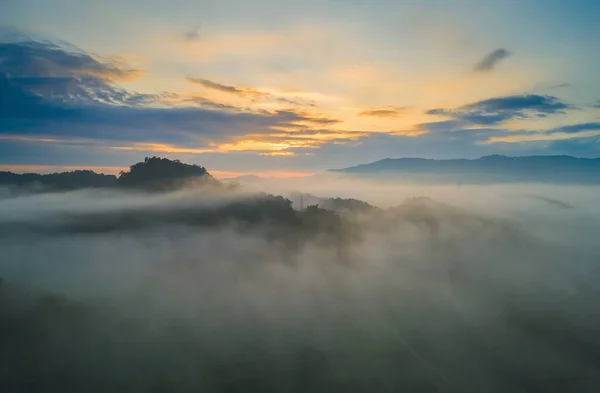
(491, 168)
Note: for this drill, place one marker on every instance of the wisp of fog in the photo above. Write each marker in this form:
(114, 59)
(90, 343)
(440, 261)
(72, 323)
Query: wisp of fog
(433, 289)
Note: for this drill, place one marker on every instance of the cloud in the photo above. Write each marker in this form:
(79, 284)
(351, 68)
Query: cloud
(576, 128)
(494, 111)
(533, 102)
(383, 112)
(583, 131)
(52, 95)
(442, 126)
(192, 35)
(298, 101)
(254, 94)
(298, 116)
(30, 69)
(26, 59)
(491, 60)
(206, 103)
(62, 103)
(241, 91)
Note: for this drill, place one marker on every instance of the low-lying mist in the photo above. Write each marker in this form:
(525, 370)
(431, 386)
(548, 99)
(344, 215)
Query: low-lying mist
(432, 289)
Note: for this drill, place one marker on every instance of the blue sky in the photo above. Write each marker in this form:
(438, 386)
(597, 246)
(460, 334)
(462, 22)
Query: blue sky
(294, 87)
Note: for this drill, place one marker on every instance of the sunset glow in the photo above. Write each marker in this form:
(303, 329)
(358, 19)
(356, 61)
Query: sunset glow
(305, 87)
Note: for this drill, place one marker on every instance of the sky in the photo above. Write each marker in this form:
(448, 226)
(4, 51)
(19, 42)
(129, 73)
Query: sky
(289, 88)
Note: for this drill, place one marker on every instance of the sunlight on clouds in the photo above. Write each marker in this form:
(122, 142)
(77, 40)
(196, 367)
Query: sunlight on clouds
(339, 82)
(280, 89)
(264, 145)
(159, 147)
(319, 136)
(278, 153)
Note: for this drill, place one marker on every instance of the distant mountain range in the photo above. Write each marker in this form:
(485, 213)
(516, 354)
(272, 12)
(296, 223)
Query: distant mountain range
(488, 169)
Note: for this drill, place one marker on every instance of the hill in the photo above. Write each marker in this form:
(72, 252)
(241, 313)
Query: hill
(153, 173)
(488, 169)
(57, 181)
(157, 173)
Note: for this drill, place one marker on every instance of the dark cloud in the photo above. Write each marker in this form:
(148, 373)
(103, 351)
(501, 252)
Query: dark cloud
(491, 60)
(30, 58)
(533, 102)
(46, 70)
(494, 111)
(576, 128)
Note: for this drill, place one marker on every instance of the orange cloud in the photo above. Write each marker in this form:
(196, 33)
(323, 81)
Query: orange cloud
(278, 153)
(160, 147)
(262, 145)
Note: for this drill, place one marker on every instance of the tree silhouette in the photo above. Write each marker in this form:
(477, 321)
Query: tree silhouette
(161, 173)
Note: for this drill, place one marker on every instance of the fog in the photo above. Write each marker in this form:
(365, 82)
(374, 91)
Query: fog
(477, 289)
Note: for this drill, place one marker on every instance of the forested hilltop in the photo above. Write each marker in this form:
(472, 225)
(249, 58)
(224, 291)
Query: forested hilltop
(152, 173)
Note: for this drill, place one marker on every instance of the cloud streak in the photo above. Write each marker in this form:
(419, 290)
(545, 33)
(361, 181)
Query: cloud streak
(495, 111)
(255, 95)
(240, 91)
(383, 112)
(491, 60)
(576, 128)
